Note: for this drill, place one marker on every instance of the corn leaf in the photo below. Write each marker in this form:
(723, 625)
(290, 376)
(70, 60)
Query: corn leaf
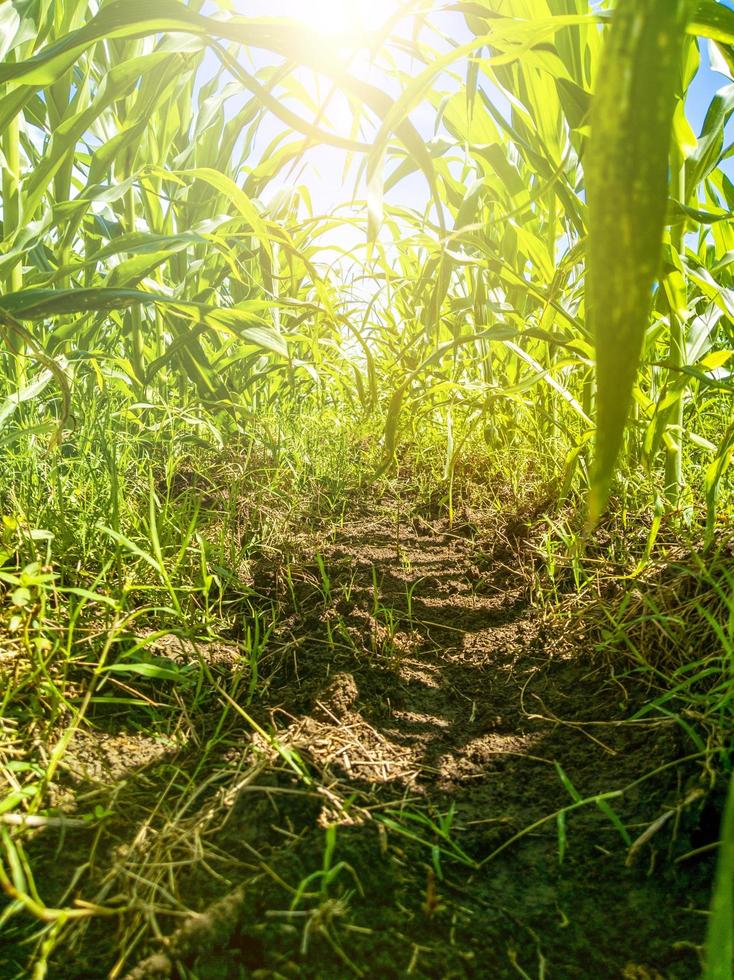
(627, 186)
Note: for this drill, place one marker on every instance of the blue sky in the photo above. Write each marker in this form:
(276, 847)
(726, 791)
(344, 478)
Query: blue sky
(704, 87)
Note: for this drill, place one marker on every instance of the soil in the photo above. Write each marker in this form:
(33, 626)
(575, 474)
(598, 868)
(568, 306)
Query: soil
(412, 699)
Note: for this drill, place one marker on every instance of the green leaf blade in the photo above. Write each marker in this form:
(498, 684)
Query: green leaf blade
(627, 185)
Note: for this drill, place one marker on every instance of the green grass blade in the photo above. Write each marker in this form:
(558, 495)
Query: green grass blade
(720, 938)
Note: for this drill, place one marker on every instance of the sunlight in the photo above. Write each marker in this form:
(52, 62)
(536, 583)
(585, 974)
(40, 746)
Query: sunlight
(333, 17)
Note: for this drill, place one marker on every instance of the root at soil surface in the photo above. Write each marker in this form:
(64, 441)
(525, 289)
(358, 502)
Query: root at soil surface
(198, 935)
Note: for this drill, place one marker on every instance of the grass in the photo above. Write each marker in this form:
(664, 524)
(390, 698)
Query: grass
(361, 603)
(175, 629)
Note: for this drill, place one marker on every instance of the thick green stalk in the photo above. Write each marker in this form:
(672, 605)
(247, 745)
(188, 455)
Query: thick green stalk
(673, 443)
(674, 440)
(59, 97)
(136, 318)
(11, 197)
(11, 223)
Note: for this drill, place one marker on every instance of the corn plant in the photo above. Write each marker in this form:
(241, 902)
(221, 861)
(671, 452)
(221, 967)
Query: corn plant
(564, 290)
(141, 249)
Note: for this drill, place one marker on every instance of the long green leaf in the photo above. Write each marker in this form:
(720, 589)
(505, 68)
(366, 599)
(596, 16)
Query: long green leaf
(627, 186)
(40, 304)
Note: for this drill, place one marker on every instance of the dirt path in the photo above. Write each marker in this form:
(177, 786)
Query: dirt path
(420, 707)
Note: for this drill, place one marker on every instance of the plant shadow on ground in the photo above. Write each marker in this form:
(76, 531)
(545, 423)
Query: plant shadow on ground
(416, 703)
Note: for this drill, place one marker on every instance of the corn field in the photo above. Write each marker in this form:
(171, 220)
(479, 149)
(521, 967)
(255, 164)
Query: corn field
(519, 250)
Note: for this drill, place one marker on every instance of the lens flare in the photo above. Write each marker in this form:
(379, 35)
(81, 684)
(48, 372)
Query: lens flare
(343, 16)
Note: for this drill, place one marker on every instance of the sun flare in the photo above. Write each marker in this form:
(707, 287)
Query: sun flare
(343, 16)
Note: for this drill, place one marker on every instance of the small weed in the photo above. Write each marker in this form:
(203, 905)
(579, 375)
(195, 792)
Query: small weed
(325, 580)
(326, 875)
(434, 830)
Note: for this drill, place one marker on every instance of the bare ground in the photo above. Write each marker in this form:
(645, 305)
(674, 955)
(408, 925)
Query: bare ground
(411, 698)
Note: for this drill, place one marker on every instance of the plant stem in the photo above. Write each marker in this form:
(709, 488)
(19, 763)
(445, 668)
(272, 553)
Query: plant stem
(136, 317)
(674, 446)
(11, 224)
